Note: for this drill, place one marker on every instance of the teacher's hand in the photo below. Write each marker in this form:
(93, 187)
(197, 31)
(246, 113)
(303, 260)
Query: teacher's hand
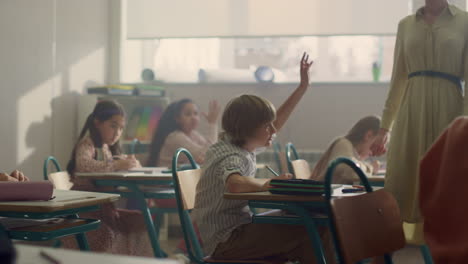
(378, 147)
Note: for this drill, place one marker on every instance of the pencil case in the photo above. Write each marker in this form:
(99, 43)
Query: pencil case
(26, 191)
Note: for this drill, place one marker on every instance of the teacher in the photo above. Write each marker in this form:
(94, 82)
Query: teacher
(430, 62)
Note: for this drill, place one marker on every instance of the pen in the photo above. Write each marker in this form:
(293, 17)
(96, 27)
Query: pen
(352, 190)
(271, 170)
(49, 258)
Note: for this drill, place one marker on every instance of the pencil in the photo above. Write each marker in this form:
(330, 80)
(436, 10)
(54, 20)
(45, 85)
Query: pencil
(271, 170)
(49, 257)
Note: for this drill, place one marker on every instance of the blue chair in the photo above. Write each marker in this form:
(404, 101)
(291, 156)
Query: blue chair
(277, 156)
(300, 168)
(290, 152)
(70, 225)
(135, 146)
(60, 179)
(46, 166)
(363, 226)
(185, 183)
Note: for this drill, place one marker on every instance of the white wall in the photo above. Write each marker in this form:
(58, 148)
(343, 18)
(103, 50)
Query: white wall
(326, 110)
(50, 50)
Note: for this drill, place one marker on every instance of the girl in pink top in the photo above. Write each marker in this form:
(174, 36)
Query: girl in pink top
(121, 231)
(177, 129)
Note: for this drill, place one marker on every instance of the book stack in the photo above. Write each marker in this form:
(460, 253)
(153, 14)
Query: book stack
(143, 122)
(112, 89)
(129, 89)
(297, 187)
(149, 90)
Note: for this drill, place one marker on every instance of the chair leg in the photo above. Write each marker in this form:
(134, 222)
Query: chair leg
(81, 237)
(426, 253)
(153, 233)
(82, 242)
(158, 221)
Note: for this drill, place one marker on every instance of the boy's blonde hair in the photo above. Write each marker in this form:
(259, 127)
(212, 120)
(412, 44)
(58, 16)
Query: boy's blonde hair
(244, 114)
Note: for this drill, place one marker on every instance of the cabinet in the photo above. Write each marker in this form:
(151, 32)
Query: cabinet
(143, 114)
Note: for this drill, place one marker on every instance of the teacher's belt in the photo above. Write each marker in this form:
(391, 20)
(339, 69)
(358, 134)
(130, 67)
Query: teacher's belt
(447, 76)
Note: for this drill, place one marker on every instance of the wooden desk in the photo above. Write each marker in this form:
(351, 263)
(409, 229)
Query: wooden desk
(378, 179)
(136, 187)
(267, 196)
(31, 255)
(300, 205)
(64, 200)
(127, 176)
(66, 204)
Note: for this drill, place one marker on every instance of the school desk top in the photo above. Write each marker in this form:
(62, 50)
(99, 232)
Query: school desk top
(63, 200)
(142, 174)
(31, 255)
(267, 196)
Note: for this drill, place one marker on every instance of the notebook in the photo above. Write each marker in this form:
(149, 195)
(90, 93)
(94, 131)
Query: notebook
(297, 187)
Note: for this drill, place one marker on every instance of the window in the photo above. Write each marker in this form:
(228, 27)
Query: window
(350, 58)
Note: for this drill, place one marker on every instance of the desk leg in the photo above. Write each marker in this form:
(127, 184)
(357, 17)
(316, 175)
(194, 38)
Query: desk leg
(81, 238)
(316, 241)
(311, 227)
(82, 242)
(152, 232)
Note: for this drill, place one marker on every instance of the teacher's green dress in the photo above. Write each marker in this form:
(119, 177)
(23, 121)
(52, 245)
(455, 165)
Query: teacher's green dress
(420, 108)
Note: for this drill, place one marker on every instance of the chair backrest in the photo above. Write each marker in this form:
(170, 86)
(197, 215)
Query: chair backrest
(366, 225)
(188, 180)
(278, 157)
(185, 182)
(46, 166)
(60, 179)
(290, 152)
(301, 169)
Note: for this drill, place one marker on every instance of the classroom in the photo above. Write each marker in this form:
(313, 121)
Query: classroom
(276, 104)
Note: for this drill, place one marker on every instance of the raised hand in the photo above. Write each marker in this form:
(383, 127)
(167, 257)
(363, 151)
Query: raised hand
(213, 112)
(304, 71)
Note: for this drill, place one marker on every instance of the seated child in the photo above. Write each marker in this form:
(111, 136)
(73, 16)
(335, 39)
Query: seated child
(249, 122)
(356, 146)
(121, 231)
(177, 129)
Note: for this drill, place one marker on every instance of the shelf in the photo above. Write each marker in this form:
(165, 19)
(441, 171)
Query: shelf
(129, 142)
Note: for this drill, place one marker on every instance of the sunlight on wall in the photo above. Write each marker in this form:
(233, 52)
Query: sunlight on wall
(81, 75)
(34, 113)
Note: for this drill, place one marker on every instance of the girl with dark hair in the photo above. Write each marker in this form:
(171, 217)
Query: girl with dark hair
(356, 145)
(121, 231)
(177, 128)
(101, 133)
